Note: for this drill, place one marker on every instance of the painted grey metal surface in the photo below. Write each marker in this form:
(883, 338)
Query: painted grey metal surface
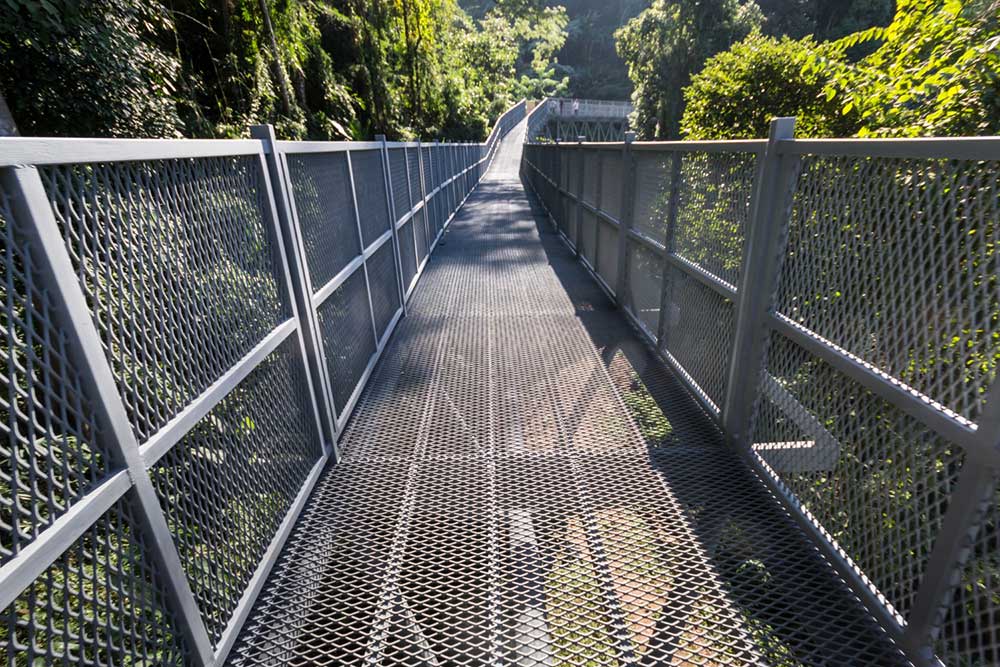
(169, 393)
(856, 378)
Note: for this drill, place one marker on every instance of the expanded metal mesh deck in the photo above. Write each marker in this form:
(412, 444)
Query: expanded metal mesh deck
(523, 484)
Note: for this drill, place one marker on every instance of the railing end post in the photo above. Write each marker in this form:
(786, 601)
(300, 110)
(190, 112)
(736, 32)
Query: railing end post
(781, 127)
(264, 131)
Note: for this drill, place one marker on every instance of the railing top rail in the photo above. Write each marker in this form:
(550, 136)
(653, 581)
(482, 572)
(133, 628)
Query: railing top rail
(48, 150)
(729, 145)
(326, 146)
(962, 148)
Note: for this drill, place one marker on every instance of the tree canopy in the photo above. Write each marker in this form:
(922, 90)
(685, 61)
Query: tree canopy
(325, 69)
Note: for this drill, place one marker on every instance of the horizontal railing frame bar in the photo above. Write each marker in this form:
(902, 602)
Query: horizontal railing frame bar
(19, 573)
(923, 408)
(181, 424)
(16, 151)
(952, 148)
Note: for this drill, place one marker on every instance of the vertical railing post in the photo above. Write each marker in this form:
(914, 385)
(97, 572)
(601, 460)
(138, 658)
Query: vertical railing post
(669, 245)
(761, 267)
(31, 206)
(301, 285)
(581, 167)
(625, 219)
(393, 217)
(423, 198)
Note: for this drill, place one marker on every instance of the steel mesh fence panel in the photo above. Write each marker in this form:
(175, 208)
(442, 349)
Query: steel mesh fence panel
(611, 183)
(384, 292)
(369, 189)
(652, 194)
(894, 261)
(607, 252)
(698, 332)
(875, 478)
(588, 238)
(400, 187)
(407, 253)
(645, 282)
(713, 211)
(321, 185)
(178, 268)
(227, 485)
(425, 163)
(49, 456)
(421, 236)
(101, 602)
(413, 167)
(345, 324)
(590, 174)
(566, 217)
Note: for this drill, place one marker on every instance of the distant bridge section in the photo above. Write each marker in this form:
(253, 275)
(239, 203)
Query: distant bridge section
(568, 119)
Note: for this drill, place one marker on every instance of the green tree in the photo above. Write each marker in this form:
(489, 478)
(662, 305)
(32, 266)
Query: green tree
(669, 42)
(936, 72)
(89, 68)
(741, 89)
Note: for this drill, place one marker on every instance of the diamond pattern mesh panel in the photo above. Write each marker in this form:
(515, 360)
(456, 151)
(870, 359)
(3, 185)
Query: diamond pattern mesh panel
(100, 603)
(227, 485)
(400, 188)
(48, 454)
(590, 176)
(420, 227)
(384, 290)
(522, 484)
(176, 261)
(369, 186)
(895, 261)
(645, 282)
(652, 194)
(321, 184)
(425, 162)
(413, 167)
(698, 330)
(588, 237)
(407, 253)
(875, 478)
(611, 183)
(714, 210)
(607, 252)
(345, 325)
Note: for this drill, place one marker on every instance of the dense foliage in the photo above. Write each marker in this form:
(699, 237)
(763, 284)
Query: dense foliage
(930, 69)
(668, 43)
(740, 90)
(322, 69)
(935, 73)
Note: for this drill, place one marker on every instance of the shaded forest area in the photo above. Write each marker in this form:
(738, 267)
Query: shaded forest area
(319, 69)
(350, 69)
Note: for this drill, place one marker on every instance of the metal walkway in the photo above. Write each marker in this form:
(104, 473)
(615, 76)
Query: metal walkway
(523, 484)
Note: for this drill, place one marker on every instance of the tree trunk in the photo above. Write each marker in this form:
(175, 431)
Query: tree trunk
(8, 128)
(279, 69)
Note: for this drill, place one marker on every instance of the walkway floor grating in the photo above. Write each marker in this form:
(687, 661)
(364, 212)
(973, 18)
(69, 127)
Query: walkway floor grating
(522, 484)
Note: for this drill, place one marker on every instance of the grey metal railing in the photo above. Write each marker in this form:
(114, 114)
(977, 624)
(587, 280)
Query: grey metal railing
(835, 306)
(187, 327)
